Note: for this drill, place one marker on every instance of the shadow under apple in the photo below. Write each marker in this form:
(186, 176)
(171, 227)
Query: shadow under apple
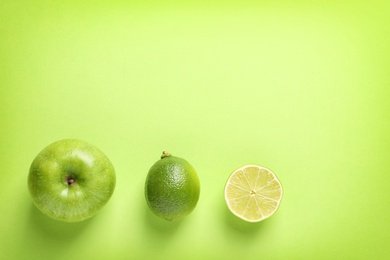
(49, 229)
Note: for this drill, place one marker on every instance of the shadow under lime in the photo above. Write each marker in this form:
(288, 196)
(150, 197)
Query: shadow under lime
(237, 230)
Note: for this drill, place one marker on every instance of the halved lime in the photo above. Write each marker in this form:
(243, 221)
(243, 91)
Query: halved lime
(253, 193)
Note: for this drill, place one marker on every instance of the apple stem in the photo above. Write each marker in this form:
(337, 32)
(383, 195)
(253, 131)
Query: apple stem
(165, 154)
(70, 180)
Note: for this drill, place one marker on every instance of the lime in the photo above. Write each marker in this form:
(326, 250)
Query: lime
(253, 193)
(172, 187)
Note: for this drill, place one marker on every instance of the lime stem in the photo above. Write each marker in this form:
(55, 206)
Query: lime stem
(165, 154)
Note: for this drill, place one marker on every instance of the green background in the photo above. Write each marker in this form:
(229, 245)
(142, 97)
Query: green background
(300, 87)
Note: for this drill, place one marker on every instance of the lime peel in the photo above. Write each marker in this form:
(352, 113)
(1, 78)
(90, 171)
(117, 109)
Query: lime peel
(172, 187)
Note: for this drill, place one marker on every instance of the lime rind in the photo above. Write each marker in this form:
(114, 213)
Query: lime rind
(172, 187)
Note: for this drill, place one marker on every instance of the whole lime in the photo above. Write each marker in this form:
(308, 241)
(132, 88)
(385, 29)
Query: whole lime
(172, 187)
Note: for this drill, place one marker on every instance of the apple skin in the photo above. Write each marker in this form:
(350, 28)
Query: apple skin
(70, 180)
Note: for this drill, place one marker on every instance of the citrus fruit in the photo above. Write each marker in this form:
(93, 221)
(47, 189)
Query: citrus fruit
(253, 193)
(172, 187)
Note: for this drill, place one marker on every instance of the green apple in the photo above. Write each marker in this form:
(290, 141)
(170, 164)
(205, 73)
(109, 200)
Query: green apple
(70, 180)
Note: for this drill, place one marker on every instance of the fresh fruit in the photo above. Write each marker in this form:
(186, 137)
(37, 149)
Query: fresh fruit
(70, 180)
(253, 193)
(172, 187)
